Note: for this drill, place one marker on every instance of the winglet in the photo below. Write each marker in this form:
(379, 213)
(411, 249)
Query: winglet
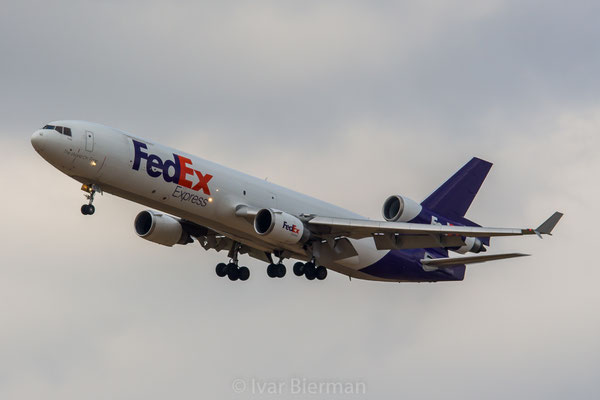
(546, 227)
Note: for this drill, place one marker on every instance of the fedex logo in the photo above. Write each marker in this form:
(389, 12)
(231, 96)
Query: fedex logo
(292, 228)
(177, 170)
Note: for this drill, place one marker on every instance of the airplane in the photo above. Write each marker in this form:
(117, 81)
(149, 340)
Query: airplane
(195, 200)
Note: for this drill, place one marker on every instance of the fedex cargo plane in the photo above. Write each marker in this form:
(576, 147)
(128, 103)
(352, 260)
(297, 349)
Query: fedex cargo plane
(195, 200)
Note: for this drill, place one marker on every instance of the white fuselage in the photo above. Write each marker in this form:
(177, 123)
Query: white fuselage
(205, 193)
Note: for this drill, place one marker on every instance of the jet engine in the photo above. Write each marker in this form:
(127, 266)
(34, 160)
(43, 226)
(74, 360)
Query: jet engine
(400, 209)
(280, 227)
(160, 228)
(472, 245)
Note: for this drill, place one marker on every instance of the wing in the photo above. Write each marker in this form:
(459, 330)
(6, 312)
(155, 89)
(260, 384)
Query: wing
(397, 235)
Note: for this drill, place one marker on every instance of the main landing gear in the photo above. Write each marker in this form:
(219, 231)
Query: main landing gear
(232, 270)
(276, 270)
(310, 271)
(89, 209)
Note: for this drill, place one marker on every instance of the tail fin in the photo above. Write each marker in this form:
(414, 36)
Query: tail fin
(453, 198)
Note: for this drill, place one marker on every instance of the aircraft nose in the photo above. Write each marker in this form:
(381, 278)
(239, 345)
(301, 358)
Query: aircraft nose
(37, 140)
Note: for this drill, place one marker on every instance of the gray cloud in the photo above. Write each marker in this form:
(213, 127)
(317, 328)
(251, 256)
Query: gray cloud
(369, 98)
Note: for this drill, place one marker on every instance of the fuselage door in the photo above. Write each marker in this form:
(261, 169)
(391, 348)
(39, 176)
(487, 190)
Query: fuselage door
(89, 141)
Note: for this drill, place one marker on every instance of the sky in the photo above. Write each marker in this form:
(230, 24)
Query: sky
(346, 101)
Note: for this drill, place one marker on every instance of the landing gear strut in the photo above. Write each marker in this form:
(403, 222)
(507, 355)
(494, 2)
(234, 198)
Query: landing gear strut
(89, 209)
(232, 270)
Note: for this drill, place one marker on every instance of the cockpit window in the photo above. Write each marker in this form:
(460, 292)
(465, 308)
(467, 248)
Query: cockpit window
(60, 129)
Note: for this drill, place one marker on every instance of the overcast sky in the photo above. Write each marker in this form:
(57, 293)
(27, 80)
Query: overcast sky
(347, 101)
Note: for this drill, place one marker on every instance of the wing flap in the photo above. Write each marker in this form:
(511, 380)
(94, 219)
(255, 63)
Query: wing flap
(397, 241)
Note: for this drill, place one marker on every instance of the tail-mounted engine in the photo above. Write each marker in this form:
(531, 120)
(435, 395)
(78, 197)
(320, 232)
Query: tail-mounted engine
(280, 227)
(472, 245)
(160, 228)
(400, 209)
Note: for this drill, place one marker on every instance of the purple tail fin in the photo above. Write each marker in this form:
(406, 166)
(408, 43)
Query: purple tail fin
(453, 198)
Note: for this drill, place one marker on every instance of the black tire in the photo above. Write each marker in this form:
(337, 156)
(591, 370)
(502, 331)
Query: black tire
(299, 268)
(84, 209)
(310, 274)
(233, 273)
(281, 270)
(309, 267)
(244, 273)
(272, 271)
(91, 209)
(321, 273)
(221, 269)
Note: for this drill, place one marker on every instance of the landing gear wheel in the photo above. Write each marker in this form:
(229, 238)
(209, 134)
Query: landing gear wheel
(321, 273)
(281, 270)
(272, 271)
(299, 268)
(233, 273)
(221, 269)
(230, 266)
(243, 273)
(310, 271)
(89, 209)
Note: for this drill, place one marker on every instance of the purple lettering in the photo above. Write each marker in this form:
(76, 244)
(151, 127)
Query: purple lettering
(139, 154)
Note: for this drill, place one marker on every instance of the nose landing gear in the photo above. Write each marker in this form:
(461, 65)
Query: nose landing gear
(89, 209)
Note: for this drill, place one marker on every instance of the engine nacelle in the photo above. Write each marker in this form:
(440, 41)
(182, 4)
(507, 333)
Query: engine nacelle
(400, 209)
(472, 245)
(160, 228)
(280, 227)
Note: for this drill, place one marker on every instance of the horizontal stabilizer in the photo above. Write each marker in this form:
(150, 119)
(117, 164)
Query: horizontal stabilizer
(455, 261)
(549, 224)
